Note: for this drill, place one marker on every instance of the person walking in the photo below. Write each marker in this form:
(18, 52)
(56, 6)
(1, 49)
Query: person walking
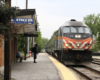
(34, 50)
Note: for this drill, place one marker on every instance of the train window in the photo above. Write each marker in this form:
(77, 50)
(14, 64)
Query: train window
(66, 30)
(87, 30)
(73, 30)
(80, 30)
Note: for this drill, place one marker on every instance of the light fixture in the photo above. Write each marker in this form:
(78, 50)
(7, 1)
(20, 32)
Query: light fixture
(66, 44)
(78, 44)
(77, 36)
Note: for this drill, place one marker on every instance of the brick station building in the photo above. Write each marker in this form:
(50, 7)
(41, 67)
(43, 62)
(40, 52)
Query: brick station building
(28, 28)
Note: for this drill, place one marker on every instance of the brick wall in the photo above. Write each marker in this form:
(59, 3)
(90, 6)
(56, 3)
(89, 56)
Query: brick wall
(1, 51)
(13, 51)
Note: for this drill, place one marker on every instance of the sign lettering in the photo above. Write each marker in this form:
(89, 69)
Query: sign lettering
(23, 20)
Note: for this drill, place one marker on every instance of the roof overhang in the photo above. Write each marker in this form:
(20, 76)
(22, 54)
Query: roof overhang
(28, 28)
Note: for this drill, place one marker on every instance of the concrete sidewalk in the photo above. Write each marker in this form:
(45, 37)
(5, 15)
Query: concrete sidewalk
(42, 70)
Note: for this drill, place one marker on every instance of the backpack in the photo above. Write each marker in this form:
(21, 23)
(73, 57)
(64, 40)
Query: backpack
(33, 49)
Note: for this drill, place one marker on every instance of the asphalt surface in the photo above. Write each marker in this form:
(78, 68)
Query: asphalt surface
(44, 69)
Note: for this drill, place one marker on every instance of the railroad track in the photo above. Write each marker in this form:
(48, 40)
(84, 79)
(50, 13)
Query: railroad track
(87, 72)
(96, 61)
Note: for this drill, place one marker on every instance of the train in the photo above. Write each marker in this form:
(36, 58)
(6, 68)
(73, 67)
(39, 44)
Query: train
(71, 43)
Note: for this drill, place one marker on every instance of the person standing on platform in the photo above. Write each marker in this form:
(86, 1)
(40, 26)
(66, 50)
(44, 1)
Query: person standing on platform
(34, 50)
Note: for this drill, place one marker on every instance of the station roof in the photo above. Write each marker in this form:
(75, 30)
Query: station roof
(28, 28)
(24, 12)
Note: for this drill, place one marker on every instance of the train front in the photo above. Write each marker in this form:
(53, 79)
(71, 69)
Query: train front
(77, 43)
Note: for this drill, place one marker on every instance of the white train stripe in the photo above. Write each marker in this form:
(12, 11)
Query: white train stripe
(86, 47)
(90, 41)
(73, 44)
(64, 41)
(83, 45)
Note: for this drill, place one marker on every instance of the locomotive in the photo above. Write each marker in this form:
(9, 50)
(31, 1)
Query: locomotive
(71, 43)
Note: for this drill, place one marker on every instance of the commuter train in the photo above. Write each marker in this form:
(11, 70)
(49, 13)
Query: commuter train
(71, 43)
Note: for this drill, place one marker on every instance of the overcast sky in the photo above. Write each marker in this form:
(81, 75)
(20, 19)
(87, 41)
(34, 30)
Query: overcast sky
(53, 13)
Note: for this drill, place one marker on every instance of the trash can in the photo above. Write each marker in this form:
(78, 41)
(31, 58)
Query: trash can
(30, 53)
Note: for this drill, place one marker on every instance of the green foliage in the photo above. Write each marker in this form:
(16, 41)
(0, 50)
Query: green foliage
(96, 46)
(21, 42)
(6, 27)
(6, 13)
(38, 40)
(44, 41)
(93, 22)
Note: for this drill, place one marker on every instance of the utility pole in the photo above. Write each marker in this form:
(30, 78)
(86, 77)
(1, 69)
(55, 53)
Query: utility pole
(7, 53)
(25, 37)
(26, 3)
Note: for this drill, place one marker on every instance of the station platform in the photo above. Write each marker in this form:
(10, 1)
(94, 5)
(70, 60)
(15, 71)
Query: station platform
(46, 68)
(98, 57)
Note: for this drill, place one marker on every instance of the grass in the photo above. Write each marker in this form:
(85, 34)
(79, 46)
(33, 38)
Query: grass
(22, 54)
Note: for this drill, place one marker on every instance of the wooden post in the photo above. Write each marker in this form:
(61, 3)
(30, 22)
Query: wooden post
(25, 49)
(7, 61)
(15, 48)
(32, 41)
(7, 55)
(26, 3)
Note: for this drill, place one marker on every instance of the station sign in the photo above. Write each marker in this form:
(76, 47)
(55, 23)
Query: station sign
(22, 20)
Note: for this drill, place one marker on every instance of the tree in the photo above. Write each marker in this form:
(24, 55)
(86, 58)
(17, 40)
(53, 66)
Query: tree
(9, 30)
(21, 42)
(44, 41)
(93, 22)
(6, 27)
(38, 40)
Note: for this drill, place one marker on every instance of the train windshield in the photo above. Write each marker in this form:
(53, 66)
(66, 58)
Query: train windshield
(80, 30)
(73, 29)
(76, 30)
(66, 30)
(87, 30)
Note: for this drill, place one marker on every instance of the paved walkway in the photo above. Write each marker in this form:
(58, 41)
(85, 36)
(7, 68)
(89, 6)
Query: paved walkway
(42, 70)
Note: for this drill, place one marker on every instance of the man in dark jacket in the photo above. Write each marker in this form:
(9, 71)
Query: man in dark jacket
(34, 50)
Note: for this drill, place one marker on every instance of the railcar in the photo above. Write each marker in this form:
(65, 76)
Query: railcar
(71, 43)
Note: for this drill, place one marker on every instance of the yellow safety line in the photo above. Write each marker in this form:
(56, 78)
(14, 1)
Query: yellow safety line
(66, 73)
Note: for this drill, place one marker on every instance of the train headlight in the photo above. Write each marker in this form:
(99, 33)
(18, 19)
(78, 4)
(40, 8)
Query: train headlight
(86, 44)
(66, 44)
(77, 36)
(78, 44)
(89, 45)
(70, 44)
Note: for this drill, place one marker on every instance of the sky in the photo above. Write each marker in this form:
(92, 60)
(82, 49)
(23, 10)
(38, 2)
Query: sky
(51, 14)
